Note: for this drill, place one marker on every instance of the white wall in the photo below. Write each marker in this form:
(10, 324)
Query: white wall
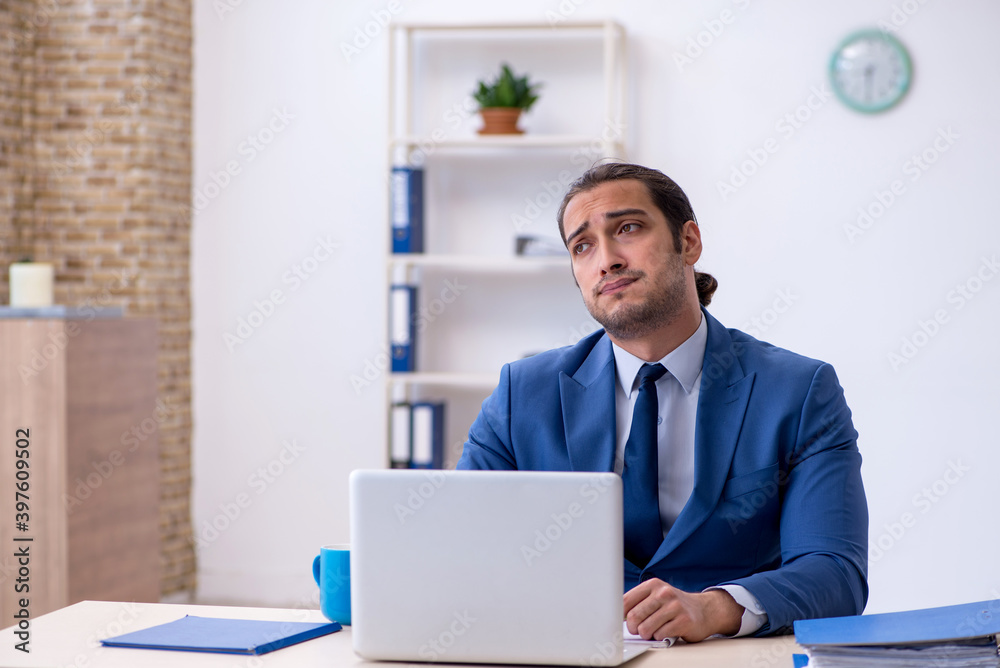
(927, 425)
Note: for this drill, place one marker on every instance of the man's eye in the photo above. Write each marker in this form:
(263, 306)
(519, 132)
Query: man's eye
(579, 248)
(628, 227)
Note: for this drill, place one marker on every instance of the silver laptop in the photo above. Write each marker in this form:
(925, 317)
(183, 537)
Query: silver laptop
(488, 567)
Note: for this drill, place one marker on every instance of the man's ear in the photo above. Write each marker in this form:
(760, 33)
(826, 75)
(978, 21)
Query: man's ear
(690, 242)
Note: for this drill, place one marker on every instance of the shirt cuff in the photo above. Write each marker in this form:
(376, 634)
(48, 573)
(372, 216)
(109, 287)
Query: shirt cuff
(754, 616)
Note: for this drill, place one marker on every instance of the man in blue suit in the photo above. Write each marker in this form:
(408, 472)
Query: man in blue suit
(757, 484)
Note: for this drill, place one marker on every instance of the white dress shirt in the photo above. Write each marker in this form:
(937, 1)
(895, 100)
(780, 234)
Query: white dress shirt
(677, 393)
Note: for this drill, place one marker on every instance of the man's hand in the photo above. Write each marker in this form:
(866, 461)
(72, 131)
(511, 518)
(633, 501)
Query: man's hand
(657, 610)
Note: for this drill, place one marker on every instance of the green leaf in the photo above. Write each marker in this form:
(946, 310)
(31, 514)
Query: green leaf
(507, 90)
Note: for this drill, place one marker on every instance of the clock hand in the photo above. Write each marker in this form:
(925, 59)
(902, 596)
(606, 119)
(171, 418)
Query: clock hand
(869, 79)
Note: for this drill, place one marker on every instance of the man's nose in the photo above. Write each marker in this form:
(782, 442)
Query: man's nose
(610, 259)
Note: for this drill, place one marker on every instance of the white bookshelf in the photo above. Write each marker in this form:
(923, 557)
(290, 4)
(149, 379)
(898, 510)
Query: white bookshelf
(452, 247)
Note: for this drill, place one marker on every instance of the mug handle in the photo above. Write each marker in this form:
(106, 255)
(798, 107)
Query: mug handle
(316, 569)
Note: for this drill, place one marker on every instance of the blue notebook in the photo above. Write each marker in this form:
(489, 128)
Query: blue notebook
(227, 636)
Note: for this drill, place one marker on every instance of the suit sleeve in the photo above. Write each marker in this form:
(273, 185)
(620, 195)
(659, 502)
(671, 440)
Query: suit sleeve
(489, 443)
(824, 518)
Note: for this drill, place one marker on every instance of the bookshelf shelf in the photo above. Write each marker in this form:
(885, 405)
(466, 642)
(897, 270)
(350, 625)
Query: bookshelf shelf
(543, 30)
(479, 263)
(484, 381)
(502, 142)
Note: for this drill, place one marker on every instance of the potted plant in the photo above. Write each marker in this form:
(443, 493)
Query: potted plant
(502, 100)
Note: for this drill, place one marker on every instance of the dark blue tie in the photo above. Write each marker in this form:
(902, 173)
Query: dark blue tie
(641, 497)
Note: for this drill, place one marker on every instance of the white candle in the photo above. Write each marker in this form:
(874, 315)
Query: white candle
(31, 284)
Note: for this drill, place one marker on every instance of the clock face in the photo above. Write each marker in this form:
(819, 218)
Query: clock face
(870, 71)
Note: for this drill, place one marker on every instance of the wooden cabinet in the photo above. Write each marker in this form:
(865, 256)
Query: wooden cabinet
(79, 395)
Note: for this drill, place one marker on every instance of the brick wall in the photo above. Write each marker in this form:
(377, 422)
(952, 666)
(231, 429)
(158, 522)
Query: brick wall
(95, 98)
(16, 70)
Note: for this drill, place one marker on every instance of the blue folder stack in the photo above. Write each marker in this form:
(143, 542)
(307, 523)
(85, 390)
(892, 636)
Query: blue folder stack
(946, 637)
(417, 435)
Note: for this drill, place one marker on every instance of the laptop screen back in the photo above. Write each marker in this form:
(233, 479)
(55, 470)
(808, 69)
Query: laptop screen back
(487, 566)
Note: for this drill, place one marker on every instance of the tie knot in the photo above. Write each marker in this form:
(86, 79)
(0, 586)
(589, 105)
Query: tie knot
(651, 372)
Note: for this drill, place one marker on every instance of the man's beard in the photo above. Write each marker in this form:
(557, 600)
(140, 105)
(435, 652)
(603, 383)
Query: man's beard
(635, 320)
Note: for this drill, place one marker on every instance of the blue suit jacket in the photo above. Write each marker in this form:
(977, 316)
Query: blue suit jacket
(778, 504)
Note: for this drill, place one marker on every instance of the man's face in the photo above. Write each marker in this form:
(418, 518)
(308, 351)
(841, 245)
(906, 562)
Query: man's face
(632, 278)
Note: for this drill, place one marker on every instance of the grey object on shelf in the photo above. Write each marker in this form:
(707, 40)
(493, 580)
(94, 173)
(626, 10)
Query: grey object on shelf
(531, 246)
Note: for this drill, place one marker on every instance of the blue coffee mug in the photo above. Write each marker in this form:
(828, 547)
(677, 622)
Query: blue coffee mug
(332, 572)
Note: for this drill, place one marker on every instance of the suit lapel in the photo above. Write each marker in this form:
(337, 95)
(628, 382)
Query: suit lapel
(722, 403)
(588, 415)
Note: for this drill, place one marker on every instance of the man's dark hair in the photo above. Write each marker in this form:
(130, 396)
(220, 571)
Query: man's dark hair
(666, 195)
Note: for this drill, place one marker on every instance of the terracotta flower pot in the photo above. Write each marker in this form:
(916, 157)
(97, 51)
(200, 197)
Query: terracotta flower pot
(500, 121)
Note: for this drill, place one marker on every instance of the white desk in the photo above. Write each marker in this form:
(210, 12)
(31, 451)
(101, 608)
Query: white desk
(70, 637)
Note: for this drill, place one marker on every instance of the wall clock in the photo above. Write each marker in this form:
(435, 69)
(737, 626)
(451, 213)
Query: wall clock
(870, 71)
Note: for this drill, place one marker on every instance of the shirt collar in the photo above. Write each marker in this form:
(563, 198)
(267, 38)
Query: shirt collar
(683, 362)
